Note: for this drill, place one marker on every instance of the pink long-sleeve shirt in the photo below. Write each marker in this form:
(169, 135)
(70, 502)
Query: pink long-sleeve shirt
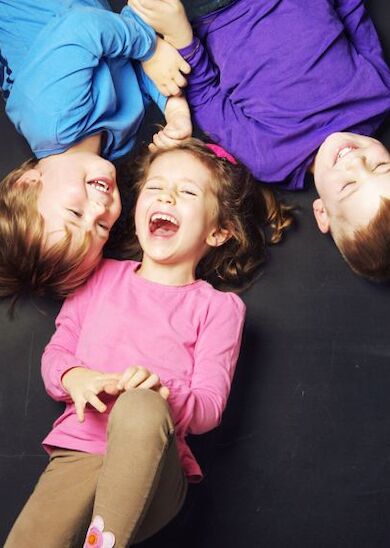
(188, 335)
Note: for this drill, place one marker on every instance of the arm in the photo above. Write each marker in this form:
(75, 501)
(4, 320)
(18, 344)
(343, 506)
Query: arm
(178, 126)
(216, 113)
(198, 408)
(71, 47)
(60, 356)
(358, 26)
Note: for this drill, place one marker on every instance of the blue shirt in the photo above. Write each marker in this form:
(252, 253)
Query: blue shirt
(72, 69)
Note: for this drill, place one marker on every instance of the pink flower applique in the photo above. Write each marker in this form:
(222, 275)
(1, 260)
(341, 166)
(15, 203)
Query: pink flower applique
(97, 537)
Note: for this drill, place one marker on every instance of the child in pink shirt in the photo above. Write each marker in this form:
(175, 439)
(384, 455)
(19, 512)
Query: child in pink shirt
(145, 352)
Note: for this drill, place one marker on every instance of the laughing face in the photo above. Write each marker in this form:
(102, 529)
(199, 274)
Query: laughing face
(78, 193)
(351, 174)
(176, 214)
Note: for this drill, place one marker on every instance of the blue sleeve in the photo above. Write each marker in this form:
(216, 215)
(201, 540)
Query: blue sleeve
(60, 66)
(59, 70)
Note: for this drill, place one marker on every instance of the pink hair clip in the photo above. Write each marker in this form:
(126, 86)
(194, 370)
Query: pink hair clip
(221, 153)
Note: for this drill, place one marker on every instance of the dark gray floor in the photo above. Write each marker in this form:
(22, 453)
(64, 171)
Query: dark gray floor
(302, 458)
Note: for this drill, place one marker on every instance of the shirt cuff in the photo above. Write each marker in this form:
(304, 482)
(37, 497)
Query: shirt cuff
(189, 51)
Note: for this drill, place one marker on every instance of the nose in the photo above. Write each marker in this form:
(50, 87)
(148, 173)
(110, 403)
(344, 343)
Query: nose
(93, 212)
(98, 207)
(357, 162)
(166, 196)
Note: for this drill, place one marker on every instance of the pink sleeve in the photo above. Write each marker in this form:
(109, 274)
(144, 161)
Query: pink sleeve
(198, 408)
(60, 354)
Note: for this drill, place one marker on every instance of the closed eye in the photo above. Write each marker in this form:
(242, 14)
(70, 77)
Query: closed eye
(382, 165)
(75, 212)
(189, 192)
(349, 183)
(153, 187)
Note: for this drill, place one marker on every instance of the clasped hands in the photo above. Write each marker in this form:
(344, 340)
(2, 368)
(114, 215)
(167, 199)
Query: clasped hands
(83, 385)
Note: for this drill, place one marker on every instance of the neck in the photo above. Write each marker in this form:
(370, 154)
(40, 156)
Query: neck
(89, 144)
(166, 274)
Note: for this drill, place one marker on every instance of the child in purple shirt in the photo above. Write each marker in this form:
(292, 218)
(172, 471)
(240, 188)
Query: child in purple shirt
(145, 352)
(272, 81)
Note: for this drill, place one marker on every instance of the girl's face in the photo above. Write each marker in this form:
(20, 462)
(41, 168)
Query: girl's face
(176, 212)
(352, 174)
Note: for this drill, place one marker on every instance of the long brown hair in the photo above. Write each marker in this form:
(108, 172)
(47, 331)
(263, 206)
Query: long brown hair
(246, 208)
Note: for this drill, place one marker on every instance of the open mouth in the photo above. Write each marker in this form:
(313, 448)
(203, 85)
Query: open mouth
(101, 185)
(342, 152)
(163, 224)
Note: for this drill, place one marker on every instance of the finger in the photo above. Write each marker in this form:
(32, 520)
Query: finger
(112, 389)
(163, 141)
(184, 67)
(157, 142)
(172, 87)
(139, 377)
(93, 400)
(162, 88)
(180, 80)
(164, 392)
(126, 375)
(176, 133)
(151, 382)
(80, 406)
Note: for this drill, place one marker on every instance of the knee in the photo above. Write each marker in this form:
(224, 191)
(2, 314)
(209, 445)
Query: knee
(142, 413)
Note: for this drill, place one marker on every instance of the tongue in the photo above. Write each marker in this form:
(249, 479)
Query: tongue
(163, 228)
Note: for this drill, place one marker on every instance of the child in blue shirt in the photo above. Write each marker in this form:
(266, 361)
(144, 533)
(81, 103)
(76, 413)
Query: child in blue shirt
(73, 80)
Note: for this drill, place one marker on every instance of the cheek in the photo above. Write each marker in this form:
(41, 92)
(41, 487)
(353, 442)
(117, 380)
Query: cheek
(140, 213)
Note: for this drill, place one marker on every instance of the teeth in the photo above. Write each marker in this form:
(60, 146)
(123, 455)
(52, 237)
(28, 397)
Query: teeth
(163, 217)
(102, 186)
(344, 151)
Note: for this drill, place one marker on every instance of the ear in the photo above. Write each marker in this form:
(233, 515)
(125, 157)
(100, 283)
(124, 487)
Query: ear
(218, 237)
(321, 215)
(31, 177)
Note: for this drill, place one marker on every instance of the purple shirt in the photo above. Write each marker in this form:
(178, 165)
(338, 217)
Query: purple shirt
(281, 75)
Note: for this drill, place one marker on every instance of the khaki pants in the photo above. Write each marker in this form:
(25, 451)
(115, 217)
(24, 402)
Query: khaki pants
(137, 487)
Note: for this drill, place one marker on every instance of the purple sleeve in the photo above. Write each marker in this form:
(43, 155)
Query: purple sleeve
(359, 27)
(60, 354)
(216, 114)
(198, 408)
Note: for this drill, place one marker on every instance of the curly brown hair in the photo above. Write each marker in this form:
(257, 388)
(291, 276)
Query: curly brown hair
(247, 209)
(27, 266)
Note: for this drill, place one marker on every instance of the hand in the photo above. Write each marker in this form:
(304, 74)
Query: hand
(139, 377)
(165, 68)
(84, 384)
(167, 17)
(178, 127)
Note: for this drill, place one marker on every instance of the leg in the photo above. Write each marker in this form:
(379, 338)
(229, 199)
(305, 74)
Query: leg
(59, 509)
(141, 443)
